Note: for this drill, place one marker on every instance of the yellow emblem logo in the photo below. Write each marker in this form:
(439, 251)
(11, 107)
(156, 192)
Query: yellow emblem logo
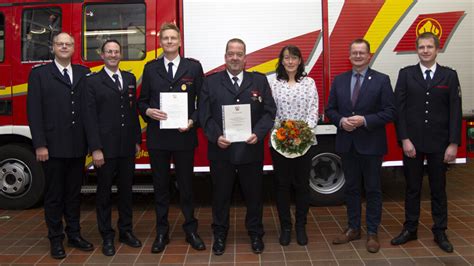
(183, 87)
(429, 25)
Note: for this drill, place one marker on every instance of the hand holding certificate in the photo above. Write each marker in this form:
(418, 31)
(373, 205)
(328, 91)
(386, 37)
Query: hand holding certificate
(237, 122)
(175, 105)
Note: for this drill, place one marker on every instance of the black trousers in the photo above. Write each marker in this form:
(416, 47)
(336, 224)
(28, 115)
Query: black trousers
(123, 169)
(223, 174)
(358, 167)
(291, 174)
(413, 169)
(160, 164)
(62, 196)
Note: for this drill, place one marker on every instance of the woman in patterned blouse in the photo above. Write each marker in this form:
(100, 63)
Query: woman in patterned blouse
(296, 98)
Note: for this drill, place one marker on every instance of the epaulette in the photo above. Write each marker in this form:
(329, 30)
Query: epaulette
(450, 68)
(38, 65)
(256, 72)
(91, 73)
(405, 67)
(192, 59)
(152, 61)
(211, 74)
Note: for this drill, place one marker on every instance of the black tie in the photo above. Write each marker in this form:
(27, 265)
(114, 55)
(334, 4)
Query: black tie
(170, 70)
(356, 91)
(428, 77)
(66, 76)
(117, 81)
(236, 84)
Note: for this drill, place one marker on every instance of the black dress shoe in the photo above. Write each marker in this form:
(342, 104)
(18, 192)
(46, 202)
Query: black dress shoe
(160, 243)
(80, 243)
(57, 249)
(301, 236)
(108, 248)
(285, 237)
(130, 239)
(442, 240)
(195, 241)
(219, 246)
(404, 237)
(257, 244)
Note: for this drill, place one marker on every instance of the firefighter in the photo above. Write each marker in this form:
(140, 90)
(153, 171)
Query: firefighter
(428, 128)
(54, 116)
(114, 137)
(230, 87)
(176, 74)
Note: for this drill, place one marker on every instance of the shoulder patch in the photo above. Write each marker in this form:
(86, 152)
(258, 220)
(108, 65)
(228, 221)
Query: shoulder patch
(91, 74)
(192, 59)
(38, 65)
(152, 61)
(449, 68)
(260, 73)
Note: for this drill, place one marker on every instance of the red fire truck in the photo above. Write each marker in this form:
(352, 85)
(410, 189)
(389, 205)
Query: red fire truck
(323, 30)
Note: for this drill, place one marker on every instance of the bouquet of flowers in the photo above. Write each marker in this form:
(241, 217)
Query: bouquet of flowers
(292, 138)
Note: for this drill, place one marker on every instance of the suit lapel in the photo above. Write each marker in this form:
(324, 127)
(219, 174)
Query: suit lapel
(58, 75)
(227, 83)
(162, 71)
(418, 76)
(246, 82)
(438, 75)
(107, 81)
(365, 84)
(182, 69)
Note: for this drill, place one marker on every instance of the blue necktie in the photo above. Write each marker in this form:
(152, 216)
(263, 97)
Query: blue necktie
(428, 77)
(117, 82)
(170, 70)
(356, 91)
(236, 84)
(66, 76)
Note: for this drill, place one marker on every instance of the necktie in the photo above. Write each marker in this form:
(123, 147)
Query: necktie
(66, 76)
(356, 91)
(170, 70)
(117, 81)
(236, 84)
(428, 77)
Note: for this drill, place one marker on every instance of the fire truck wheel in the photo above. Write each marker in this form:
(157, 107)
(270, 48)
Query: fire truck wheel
(326, 179)
(21, 177)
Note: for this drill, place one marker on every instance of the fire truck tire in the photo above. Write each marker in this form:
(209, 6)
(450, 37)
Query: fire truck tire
(326, 179)
(21, 177)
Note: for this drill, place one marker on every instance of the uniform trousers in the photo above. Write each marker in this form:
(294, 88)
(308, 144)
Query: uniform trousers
(414, 169)
(357, 168)
(223, 175)
(62, 196)
(184, 164)
(291, 174)
(123, 169)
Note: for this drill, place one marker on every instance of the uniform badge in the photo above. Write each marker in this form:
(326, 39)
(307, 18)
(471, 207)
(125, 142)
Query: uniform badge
(183, 87)
(255, 96)
(260, 98)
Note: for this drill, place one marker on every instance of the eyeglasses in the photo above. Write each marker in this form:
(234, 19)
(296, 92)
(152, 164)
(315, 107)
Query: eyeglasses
(112, 52)
(61, 44)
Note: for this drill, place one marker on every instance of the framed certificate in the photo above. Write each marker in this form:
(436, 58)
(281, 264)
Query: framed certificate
(237, 122)
(175, 105)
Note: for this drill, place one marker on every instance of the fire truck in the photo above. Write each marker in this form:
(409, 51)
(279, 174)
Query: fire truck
(323, 29)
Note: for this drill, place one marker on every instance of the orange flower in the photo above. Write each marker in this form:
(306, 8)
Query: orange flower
(289, 124)
(281, 134)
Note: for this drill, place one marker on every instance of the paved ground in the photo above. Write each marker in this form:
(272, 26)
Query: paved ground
(23, 241)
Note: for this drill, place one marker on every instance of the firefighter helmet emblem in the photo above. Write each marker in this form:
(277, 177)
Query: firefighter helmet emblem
(429, 25)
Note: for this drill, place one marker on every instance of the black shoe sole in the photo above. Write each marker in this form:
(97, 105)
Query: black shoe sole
(218, 253)
(83, 249)
(130, 244)
(60, 257)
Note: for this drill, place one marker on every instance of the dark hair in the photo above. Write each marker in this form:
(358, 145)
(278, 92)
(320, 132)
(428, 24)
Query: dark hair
(280, 69)
(358, 41)
(237, 40)
(109, 41)
(428, 35)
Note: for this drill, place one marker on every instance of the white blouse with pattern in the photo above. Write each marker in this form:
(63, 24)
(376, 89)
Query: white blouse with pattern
(297, 102)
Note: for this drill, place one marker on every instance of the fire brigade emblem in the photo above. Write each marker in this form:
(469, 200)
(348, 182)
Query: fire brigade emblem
(429, 25)
(183, 87)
